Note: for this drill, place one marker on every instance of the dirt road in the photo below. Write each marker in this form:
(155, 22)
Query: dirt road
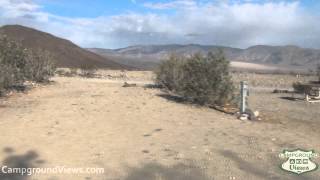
(139, 133)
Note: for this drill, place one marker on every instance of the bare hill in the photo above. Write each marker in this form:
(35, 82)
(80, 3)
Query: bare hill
(282, 55)
(66, 53)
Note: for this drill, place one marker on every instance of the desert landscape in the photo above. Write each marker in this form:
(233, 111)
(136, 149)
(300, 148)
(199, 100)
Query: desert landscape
(142, 133)
(159, 90)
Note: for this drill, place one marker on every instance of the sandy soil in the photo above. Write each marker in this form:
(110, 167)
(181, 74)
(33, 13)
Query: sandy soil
(247, 65)
(140, 133)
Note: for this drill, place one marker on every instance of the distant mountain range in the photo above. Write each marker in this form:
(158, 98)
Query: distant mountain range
(147, 56)
(65, 53)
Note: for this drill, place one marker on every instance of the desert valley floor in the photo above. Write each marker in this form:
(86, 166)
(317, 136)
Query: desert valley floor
(139, 133)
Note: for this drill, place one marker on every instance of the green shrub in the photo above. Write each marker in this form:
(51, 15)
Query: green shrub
(18, 65)
(200, 79)
(301, 88)
(12, 63)
(40, 66)
(169, 72)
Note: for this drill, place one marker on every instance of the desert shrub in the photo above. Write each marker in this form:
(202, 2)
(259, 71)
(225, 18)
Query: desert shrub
(18, 64)
(40, 66)
(73, 71)
(200, 79)
(12, 63)
(301, 88)
(88, 70)
(169, 72)
(61, 72)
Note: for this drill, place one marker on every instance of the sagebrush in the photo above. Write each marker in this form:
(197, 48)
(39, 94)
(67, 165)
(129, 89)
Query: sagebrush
(18, 64)
(202, 79)
(40, 66)
(88, 70)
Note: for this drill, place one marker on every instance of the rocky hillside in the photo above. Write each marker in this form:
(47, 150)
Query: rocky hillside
(64, 52)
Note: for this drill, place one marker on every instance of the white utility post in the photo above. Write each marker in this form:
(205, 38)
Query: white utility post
(244, 92)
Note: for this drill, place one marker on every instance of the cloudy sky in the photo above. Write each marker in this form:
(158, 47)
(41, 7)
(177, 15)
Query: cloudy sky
(121, 23)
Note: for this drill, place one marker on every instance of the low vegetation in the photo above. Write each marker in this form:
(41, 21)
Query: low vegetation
(307, 87)
(300, 88)
(85, 70)
(200, 79)
(40, 66)
(18, 65)
(88, 70)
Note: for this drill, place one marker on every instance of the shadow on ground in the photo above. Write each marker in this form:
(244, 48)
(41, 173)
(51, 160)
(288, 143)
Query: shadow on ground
(155, 171)
(152, 86)
(289, 98)
(27, 160)
(176, 99)
(294, 98)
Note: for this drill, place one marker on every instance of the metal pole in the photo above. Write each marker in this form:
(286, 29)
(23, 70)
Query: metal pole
(244, 93)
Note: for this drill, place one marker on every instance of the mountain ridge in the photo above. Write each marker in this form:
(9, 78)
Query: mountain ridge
(64, 52)
(288, 55)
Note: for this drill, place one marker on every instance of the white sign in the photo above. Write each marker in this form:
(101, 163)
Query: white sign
(299, 161)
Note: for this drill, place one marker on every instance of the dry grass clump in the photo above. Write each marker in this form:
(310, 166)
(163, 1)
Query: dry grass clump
(67, 72)
(88, 70)
(85, 70)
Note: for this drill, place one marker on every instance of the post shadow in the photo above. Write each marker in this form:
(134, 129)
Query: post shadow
(30, 159)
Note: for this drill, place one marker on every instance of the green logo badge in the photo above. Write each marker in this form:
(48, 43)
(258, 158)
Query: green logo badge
(299, 161)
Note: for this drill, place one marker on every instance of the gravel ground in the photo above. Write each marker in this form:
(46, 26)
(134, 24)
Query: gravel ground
(139, 133)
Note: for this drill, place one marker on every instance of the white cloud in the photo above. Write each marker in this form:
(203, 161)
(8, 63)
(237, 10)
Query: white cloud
(15, 8)
(171, 5)
(223, 23)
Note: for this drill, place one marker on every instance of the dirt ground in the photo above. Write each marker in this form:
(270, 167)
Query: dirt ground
(139, 133)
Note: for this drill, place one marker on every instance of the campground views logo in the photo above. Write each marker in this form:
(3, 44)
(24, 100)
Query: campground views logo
(298, 161)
